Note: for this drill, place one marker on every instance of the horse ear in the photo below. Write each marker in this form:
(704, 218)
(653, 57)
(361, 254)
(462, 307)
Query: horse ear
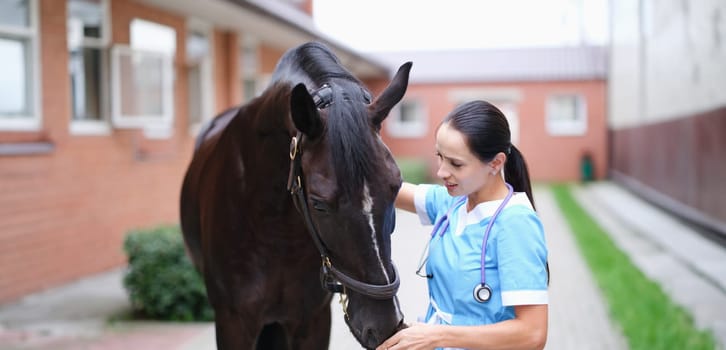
(304, 113)
(392, 94)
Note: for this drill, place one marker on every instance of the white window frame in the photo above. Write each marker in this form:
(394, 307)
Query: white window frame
(511, 112)
(507, 99)
(577, 127)
(31, 35)
(207, 75)
(156, 126)
(398, 128)
(102, 126)
(156, 122)
(250, 71)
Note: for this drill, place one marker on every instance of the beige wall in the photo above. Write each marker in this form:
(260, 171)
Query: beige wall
(667, 103)
(667, 62)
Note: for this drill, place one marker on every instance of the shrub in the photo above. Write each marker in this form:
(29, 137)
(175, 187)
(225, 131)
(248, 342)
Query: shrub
(161, 280)
(413, 170)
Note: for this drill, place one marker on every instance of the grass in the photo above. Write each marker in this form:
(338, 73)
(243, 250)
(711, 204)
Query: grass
(648, 318)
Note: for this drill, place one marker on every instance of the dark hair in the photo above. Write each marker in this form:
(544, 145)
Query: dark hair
(487, 133)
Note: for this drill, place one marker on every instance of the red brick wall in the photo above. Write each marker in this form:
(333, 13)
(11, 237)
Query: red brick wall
(550, 158)
(64, 215)
(268, 58)
(228, 86)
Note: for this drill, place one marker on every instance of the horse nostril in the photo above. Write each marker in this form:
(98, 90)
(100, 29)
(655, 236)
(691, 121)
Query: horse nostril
(369, 337)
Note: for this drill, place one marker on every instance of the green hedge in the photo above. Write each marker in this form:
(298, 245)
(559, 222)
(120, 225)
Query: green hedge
(413, 170)
(161, 280)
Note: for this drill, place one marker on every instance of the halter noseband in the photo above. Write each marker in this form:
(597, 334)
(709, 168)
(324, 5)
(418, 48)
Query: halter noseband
(331, 278)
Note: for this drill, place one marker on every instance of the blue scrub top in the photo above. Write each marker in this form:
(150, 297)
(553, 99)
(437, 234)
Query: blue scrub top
(516, 256)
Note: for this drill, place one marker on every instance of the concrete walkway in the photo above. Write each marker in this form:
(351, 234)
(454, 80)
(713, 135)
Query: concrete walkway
(690, 268)
(73, 316)
(578, 317)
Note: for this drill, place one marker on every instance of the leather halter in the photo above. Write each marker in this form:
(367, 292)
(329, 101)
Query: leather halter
(331, 278)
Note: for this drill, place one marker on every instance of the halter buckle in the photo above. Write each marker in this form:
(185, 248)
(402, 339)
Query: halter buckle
(344, 303)
(293, 148)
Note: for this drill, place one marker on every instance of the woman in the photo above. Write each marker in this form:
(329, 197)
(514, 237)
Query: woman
(505, 305)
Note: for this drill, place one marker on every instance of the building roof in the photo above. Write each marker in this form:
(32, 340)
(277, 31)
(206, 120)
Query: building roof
(499, 65)
(275, 23)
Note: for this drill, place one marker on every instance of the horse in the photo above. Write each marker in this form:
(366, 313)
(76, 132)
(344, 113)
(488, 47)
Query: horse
(289, 199)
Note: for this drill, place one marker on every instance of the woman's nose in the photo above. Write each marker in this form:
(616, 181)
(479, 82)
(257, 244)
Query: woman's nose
(442, 173)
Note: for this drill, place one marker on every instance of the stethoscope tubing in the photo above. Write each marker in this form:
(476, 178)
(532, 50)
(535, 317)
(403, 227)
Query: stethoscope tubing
(442, 224)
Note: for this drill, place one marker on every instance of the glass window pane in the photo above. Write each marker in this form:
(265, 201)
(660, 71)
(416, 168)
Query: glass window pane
(86, 70)
(14, 96)
(249, 89)
(249, 60)
(408, 112)
(564, 108)
(14, 13)
(197, 47)
(150, 36)
(88, 14)
(194, 97)
(141, 85)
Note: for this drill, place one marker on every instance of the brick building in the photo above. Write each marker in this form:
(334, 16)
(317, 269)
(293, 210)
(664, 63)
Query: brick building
(100, 101)
(554, 99)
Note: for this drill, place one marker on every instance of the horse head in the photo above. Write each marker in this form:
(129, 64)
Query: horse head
(347, 181)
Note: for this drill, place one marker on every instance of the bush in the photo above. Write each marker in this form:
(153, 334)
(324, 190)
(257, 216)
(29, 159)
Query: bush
(161, 280)
(413, 170)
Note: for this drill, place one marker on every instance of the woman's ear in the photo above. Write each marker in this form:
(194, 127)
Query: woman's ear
(498, 162)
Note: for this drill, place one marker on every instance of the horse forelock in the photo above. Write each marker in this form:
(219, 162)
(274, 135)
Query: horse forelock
(312, 63)
(352, 144)
(348, 127)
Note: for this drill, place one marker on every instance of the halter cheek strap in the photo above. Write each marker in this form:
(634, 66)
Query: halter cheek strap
(331, 278)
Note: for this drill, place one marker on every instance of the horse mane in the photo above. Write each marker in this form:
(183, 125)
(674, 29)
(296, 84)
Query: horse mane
(347, 127)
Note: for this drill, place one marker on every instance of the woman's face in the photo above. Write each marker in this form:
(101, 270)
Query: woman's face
(462, 172)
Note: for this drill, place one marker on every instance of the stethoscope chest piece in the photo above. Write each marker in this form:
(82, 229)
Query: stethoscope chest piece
(482, 293)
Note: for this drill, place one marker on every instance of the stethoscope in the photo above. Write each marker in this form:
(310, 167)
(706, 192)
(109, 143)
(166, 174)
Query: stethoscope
(482, 291)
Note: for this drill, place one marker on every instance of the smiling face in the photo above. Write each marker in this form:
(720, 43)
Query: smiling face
(462, 172)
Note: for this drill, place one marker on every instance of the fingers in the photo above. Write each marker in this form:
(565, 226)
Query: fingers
(386, 345)
(390, 342)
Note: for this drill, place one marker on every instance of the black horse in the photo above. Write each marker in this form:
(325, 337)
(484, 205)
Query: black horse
(291, 190)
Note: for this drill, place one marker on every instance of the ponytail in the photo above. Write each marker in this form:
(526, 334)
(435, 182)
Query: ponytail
(516, 173)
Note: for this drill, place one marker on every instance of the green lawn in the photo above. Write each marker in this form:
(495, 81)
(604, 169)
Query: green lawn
(648, 318)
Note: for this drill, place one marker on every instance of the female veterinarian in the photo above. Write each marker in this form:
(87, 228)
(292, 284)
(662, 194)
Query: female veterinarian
(487, 263)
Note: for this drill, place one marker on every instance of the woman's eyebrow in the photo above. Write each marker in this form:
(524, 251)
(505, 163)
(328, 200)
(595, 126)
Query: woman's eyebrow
(451, 159)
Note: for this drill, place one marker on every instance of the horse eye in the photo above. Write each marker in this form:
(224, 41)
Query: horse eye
(367, 96)
(320, 205)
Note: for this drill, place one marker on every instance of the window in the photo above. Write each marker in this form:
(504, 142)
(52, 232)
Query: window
(408, 119)
(249, 71)
(507, 99)
(88, 65)
(142, 77)
(200, 94)
(509, 109)
(566, 115)
(19, 92)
